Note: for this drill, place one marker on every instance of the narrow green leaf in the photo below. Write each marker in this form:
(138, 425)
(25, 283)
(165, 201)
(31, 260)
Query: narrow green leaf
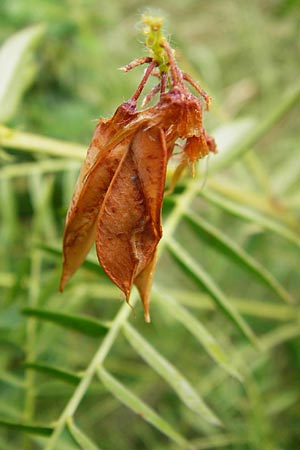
(286, 174)
(193, 268)
(170, 374)
(7, 279)
(220, 441)
(17, 68)
(11, 379)
(133, 402)
(257, 132)
(54, 372)
(37, 167)
(87, 264)
(28, 428)
(246, 306)
(224, 244)
(231, 134)
(280, 334)
(196, 328)
(6, 157)
(85, 325)
(251, 215)
(8, 211)
(80, 437)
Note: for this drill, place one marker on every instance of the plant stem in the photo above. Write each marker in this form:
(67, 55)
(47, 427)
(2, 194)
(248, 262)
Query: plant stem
(34, 289)
(144, 80)
(33, 143)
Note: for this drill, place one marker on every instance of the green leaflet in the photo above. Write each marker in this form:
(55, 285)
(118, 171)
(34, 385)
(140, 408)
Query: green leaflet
(196, 328)
(17, 68)
(80, 437)
(28, 428)
(34, 143)
(170, 374)
(37, 167)
(251, 215)
(257, 131)
(85, 325)
(246, 306)
(54, 372)
(87, 264)
(192, 266)
(224, 244)
(139, 407)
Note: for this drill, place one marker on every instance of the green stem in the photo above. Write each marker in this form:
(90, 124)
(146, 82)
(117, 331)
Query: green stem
(34, 289)
(34, 143)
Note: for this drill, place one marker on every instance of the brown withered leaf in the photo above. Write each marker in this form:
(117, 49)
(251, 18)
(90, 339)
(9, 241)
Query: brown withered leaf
(129, 223)
(95, 176)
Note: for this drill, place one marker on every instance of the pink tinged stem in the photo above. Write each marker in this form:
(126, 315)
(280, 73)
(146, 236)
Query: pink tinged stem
(176, 74)
(151, 94)
(163, 82)
(144, 80)
(136, 62)
(173, 65)
(196, 86)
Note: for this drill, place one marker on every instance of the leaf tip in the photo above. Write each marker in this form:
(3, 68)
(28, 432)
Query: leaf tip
(147, 316)
(63, 281)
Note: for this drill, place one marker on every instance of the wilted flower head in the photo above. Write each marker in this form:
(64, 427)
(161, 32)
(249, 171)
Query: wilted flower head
(118, 197)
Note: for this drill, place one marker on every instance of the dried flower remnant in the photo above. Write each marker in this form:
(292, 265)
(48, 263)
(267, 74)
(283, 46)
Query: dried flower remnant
(118, 197)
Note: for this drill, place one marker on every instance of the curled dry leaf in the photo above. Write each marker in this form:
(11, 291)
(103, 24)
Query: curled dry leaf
(118, 197)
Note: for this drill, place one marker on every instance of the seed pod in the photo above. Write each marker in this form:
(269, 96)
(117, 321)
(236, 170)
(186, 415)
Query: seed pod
(118, 197)
(129, 222)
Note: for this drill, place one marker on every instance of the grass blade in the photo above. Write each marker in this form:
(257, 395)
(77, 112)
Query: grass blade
(28, 428)
(37, 167)
(248, 306)
(195, 327)
(87, 264)
(85, 325)
(257, 132)
(192, 267)
(133, 402)
(54, 372)
(170, 374)
(227, 246)
(80, 437)
(220, 441)
(34, 143)
(17, 68)
(251, 215)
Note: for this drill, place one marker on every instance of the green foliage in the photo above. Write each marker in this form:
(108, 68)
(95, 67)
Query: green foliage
(13, 62)
(82, 370)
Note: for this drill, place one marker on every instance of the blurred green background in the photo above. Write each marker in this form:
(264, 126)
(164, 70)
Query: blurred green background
(222, 241)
